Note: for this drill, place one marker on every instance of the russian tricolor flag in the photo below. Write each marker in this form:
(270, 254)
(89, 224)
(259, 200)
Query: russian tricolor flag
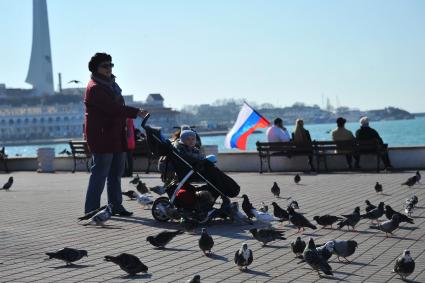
(248, 120)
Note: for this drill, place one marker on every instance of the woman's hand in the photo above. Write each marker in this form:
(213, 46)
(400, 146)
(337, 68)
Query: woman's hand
(142, 113)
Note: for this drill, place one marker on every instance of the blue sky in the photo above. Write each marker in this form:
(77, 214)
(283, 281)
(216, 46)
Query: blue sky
(370, 54)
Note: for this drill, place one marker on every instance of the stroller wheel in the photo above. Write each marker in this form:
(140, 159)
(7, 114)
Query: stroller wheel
(159, 209)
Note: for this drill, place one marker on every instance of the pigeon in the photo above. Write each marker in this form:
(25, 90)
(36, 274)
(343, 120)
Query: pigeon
(375, 213)
(298, 247)
(315, 260)
(160, 190)
(195, 279)
(68, 255)
(206, 242)
(141, 188)
(418, 177)
(101, 217)
(91, 213)
(74, 81)
(267, 235)
(350, 220)
(243, 257)
(135, 180)
(414, 200)
(410, 182)
(388, 226)
(409, 208)
(163, 238)
(145, 200)
(297, 179)
(280, 213)
(264, 207)
(344, 248)
(378, 188)
(8, 184)
(294, 204)
(263, 217)
(326, 250)
(404, 265)
(298, 220)
(247, 207)
(327, 220)
(275, 190)
(237, 216)
(369, 206)
(128, 262)
(66, 152)
(389, 212)
(130, 194)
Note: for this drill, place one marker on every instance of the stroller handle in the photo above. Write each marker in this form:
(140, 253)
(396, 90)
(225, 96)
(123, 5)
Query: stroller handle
(145, 119)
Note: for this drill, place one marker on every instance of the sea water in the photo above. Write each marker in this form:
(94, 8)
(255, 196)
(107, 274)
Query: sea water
(395, 133)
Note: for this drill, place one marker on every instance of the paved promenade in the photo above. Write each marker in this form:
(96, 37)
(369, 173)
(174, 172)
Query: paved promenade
(39, 215)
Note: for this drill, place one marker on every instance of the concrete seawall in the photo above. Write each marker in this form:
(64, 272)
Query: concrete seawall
(401, 157)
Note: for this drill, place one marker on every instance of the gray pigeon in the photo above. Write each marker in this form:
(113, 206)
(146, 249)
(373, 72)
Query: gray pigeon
(297, 179)
(327, 220)
(315, 260)
(275, 190)
(267, 235)
(388, 226)
(404, 265)
(298, 247)
(369, 206)
(411, 181)
(298, 220)
(101, 217)
(128, 262)
(130, 194)
(344, 248)
(135, 180)
(280, 213)
(389, 212)
(195, 279)
(326, 250)
(8, 184)
(264, 208)
(206, 242)
(375, 213)
(142, 188)
(243, 257)
(163, 238)
(294, 204)
(350, 220)
(68, 255)
(247, 207)
(378, 188)
(91, 213)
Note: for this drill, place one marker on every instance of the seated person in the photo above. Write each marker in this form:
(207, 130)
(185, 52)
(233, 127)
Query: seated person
(342, 134)
(277, 132)
(366, 133)
(302, 136)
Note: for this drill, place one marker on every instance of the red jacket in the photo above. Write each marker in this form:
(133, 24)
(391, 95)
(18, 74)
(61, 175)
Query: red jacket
(105, 119)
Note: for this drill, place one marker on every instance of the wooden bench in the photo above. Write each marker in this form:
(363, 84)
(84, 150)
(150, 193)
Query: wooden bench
(288, 149)
(80, 152)
(3, 159)
(142, 150)
(323, 149)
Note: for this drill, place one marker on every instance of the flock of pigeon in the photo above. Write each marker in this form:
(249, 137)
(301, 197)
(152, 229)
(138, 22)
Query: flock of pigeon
(315, 255)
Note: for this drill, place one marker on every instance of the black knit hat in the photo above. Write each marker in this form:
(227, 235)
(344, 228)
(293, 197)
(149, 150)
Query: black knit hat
(97, 59)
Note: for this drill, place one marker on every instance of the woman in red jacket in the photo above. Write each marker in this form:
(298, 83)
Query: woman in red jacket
(105, 131)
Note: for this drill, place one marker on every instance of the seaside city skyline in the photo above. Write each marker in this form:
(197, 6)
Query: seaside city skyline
(362, 55)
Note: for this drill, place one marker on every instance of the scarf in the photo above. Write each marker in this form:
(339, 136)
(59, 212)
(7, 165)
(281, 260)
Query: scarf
(107, 82)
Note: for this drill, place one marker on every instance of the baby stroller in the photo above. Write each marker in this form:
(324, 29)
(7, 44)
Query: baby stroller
(187, 172)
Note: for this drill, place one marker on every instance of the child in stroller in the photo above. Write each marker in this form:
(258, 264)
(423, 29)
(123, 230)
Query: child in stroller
(189, 166)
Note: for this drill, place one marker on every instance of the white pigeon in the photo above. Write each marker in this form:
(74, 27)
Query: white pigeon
(145, 200)
(263, 217)
(101, 217)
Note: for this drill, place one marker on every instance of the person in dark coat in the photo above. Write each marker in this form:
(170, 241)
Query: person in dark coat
(105, 131)
(366, 133)
(302, 136)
